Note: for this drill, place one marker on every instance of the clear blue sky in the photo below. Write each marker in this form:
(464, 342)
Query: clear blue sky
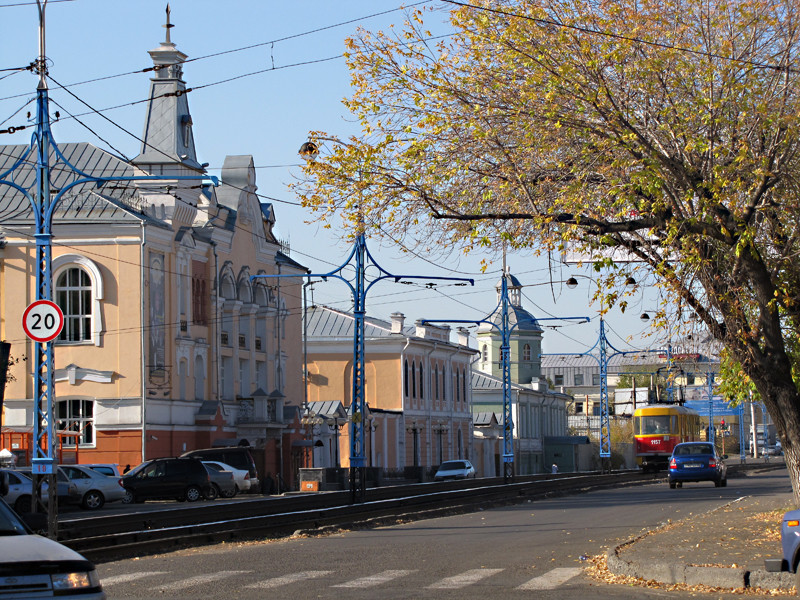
(298, 45)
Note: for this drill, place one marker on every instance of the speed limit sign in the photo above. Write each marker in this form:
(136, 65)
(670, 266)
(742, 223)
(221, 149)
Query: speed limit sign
(42, 321)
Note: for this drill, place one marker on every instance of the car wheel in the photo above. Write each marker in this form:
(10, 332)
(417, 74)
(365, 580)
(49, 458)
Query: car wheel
(93, 500)
(725, 482)
(231, 493)
(193, 493)
(213, 492)
(718, 483)
(672, 485)
(127, 498)
(679, 484)
(23, 504)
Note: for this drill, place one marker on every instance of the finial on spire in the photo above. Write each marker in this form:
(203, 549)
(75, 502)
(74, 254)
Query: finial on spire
(168, 26)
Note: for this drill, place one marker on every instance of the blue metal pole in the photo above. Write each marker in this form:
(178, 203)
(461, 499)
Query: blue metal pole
(357, 456)
(741, 433)
(605, 420)
(508, 415)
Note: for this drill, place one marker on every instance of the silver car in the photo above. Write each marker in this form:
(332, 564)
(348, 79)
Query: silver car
(95, 488)
(241, 477)
(21, 489)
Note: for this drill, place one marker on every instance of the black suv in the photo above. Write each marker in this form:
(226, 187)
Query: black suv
(179, 478)
(235, 456)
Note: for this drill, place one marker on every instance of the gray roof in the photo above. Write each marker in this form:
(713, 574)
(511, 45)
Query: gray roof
(85, 202)
(484, 419)
(484, 381)
(583, 360)
(327, 322)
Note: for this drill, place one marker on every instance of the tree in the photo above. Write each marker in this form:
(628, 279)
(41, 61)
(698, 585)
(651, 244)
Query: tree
(665, 130)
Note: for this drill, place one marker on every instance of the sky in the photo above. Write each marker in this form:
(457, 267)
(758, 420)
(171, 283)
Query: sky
(264, 74)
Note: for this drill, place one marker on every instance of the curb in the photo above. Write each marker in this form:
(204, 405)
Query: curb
(677, 573)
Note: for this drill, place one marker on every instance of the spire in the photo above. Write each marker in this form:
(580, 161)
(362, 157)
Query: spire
(167, 137)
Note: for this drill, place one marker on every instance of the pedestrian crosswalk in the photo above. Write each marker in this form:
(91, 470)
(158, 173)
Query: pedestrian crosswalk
(165, 582)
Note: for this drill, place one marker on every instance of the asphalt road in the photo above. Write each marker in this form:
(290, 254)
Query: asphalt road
(531, 549)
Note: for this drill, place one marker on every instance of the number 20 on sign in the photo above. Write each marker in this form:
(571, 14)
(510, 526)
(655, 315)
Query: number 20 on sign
(42, 321)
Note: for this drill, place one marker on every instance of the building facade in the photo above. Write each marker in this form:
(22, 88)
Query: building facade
(417, 388)
(168, 344)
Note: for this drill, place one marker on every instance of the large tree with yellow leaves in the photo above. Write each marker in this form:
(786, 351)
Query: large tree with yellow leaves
(665, 129)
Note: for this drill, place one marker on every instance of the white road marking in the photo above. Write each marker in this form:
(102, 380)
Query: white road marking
(373, 580)
(129, 577)
(463, 580)
(287, 579)
(551, 579)
(200, 580)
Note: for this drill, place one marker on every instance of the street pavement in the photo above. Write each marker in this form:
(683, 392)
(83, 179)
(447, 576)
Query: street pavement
(723, 548)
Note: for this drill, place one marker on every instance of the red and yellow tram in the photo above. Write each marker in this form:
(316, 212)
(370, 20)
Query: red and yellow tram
(656, 430)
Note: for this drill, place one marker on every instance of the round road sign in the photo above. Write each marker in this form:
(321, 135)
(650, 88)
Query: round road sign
(42, 321)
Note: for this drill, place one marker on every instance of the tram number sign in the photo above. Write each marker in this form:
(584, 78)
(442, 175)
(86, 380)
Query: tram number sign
(42, 321)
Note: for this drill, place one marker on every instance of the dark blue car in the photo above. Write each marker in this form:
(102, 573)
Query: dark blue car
(696, 461)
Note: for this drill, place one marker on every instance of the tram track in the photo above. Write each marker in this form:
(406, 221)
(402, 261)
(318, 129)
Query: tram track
(137, 533)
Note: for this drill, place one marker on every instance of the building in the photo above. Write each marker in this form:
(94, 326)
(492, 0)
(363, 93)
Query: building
(168, 344)
(417, 389)
(537, 411)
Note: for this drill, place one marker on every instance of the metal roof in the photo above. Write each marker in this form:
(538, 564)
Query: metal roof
(327, 322)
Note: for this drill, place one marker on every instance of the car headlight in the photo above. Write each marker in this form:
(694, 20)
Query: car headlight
(75, 581)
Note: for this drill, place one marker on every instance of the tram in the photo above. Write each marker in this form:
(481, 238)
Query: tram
(656, 430)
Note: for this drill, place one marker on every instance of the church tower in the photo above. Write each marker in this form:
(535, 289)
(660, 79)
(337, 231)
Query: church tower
(525, 337)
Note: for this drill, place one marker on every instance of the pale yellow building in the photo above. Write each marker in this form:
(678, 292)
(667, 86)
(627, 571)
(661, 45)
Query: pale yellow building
(168, 343)
(417, 388)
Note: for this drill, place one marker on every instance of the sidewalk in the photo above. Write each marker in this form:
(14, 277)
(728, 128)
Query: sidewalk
(723, 548)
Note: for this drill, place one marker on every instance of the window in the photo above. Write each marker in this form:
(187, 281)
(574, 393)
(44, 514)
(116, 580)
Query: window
(559, 380)
(199, 293)
(421, 379)
(77, 417)
(74, 297)
(485, 353)
(595, 378)
(579, 408)
(690, 379)
(405, 379)
(436, 382)
(413, 379)
(526, 352)
(578, 379)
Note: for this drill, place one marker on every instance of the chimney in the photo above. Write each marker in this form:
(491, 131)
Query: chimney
(398, 319)
(463, 336)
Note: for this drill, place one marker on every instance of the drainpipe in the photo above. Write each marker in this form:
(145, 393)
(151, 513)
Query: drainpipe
(141, 340)
(217, 324)
(402, 391)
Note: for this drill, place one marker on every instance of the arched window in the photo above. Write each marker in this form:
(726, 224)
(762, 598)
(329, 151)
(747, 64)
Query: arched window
(485, 353)
(74, 296)
(414, 379)
(421, 385)
(405, 378)
(526, 352)
(436, 382)
(464, 386)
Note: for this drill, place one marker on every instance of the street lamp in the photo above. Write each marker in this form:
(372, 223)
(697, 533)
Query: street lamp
(414, 430)
(337, 423)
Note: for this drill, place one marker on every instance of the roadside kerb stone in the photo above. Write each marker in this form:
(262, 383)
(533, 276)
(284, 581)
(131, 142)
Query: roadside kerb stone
(670, 573)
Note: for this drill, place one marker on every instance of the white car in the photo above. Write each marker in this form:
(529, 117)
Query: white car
(241, 477)
(35, 566)
(95, 488)
(455, 469)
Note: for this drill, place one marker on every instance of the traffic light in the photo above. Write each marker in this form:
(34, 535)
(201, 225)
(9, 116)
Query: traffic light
(722, 423)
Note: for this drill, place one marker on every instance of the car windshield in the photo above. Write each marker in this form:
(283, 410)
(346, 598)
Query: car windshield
(10, 523)
(452, 465)
(691, 449)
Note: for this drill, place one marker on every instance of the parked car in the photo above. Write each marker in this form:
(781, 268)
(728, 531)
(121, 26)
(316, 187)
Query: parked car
(454, 469)
(178, 478)
(95, 488)
(32, 566)
(66, 490)
(696, 461)
(222, 483)
(110, 469)
(241, 477)
(235, 456)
